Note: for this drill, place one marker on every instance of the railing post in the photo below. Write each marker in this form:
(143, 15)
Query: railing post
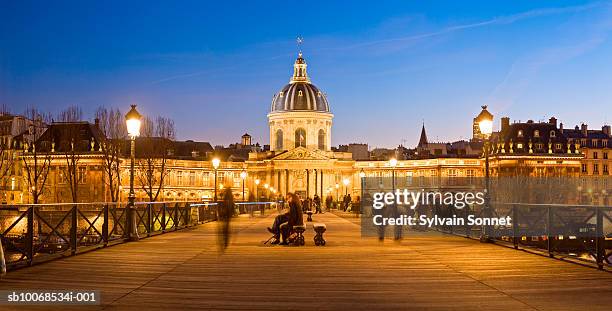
(30, 235)
(599, 239)
(163, 220)
(176, 216)
(149, 219)
(549, 222)
(105, 225)
(73, 230)
(515, 239)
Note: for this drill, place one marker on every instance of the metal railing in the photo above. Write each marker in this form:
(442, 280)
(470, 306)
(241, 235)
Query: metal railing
(36, 233)
(33, 233)
(580, 231)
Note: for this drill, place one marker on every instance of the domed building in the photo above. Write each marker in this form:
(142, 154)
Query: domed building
(300, 115)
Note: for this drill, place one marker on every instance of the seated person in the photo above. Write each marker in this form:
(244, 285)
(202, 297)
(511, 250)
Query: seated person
(291, 218)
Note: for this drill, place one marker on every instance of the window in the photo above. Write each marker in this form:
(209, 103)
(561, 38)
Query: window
(584, 168)
(237, 181)
(539, 146)
(604, 143)
(470, 173)
(520, 133)
(558, 146)
(179, 178)
(605, 155)
(281, 93)
(300, 93)
(321, 139)
(605, 169)
(192, 178)
(519, 146)
(300, 138)
(220, 178)
(452, 172)
(536, 133)
(594, 142)
(82, 177)
(279, 139)
(595, 169)
(553, 134)
(206, 179)
(595, 155)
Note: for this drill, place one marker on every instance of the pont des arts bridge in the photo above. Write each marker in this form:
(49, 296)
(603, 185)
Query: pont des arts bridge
(185, 269)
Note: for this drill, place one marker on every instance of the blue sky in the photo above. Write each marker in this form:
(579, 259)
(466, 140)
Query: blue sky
(386, 66)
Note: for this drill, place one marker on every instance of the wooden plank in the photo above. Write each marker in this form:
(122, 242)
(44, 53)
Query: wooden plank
(186, 270)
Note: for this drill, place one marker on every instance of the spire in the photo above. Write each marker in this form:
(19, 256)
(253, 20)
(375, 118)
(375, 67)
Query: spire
(299, 70)
(423, 139)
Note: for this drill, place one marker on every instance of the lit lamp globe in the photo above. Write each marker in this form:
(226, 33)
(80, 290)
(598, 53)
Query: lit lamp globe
(132, 122)
(337, 186)
(486, 127)
(393, 162)
(266, 186)
(216, 162)
(257, 181)
(243, 174)
(345, 181)
(362, 174)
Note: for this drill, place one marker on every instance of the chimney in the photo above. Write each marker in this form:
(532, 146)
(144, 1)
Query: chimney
(561, 128)
(97, 122)
(553, 121)
(505, 123)
(584, 129)
(606, 130)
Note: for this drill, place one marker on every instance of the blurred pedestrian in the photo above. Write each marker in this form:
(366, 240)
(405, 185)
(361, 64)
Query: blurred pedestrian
(225, 212)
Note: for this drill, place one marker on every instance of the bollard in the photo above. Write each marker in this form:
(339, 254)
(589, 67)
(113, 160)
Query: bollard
(2, 260)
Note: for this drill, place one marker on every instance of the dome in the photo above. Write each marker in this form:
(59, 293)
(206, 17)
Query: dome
(299, 94)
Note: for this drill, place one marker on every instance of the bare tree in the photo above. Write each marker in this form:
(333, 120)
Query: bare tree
(5, 109)
(112, 125)
(153, 155)
(70, 114)
(71, 170)
(34, 114)
(36, 165)
(6, 160)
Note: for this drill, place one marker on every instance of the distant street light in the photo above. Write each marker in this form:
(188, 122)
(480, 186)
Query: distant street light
(132, 122)
(486, 128)
(243, 175)
(215, 163)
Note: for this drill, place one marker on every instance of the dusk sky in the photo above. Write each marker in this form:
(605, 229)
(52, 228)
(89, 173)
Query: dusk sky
(385, 65)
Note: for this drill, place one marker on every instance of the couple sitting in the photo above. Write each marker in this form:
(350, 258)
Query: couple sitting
(284, 223)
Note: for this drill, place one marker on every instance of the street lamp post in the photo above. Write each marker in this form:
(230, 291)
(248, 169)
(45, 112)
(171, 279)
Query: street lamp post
(337, 192)
(362, 176)
(266, 186)
(132, 121)
(215, 163)
(257, 181)
(346, 183)
(398, 229)
(486, 128)
(243, 175)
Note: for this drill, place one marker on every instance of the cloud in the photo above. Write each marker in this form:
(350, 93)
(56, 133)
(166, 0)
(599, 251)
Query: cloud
(502, 20)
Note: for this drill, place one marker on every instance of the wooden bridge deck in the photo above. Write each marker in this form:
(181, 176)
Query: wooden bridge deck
(185, 270)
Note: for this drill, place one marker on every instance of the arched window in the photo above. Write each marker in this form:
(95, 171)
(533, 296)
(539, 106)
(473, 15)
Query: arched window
(279, 139)
(300, 138)
(321, 139)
